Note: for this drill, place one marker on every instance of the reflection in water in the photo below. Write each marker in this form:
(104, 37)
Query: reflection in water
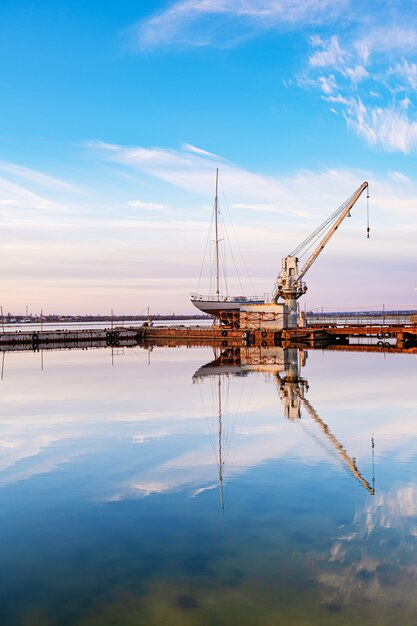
(374, 558)
(220, 440)
(285, 365)
(109, 504)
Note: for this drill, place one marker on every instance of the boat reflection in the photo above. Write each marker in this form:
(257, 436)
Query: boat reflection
(284, 364)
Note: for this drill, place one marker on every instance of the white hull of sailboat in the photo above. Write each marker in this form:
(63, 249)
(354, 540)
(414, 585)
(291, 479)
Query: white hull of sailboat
(214, 306)
(227, 305)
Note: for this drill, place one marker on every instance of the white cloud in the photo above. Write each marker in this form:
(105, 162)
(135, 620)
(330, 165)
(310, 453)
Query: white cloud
(386, 39)
(35, 177)
(195, 172)
(364, 73)
(385, 127)
(19, 196)
(399, 176)
(184, 21)
(337, 99)
(407, 70)
(357, 73)
(305, 192)
(328, 84)
(148, 206)
(191, 148)
(331, 54)
(405, 103)
(60, 255)
(262, 207)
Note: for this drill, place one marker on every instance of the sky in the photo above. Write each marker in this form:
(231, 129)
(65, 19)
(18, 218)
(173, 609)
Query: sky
(115, 116)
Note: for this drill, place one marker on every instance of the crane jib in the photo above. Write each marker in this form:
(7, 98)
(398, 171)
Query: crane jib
(289, 285)
(347, 206)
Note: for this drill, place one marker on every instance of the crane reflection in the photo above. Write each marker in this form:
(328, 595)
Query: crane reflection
(285, 365)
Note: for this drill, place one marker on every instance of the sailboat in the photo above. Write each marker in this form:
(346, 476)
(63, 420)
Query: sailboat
(220, 305)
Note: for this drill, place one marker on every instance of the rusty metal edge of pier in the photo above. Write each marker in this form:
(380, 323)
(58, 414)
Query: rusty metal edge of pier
(405, 336)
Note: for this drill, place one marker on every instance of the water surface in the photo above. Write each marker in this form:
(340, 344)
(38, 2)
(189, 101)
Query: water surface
(139, 487)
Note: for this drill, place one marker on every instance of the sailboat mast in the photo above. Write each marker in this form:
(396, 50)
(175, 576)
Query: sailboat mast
(216, 211)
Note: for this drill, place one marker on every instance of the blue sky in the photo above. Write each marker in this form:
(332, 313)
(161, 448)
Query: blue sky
(114, 117)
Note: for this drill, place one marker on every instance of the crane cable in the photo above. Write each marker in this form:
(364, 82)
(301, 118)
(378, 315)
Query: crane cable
(300, 249)
(307, 244)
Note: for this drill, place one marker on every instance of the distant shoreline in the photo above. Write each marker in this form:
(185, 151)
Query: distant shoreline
(51, 319)
(57, 319)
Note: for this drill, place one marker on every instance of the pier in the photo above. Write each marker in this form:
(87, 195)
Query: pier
(394, 337)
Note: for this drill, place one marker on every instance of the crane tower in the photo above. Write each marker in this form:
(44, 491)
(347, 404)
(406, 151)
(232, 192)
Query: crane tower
(289, 285)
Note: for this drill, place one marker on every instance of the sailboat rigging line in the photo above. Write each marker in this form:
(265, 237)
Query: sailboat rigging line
(236, 242)
(204, 258)
(216, 440)
(224, 266)
(209, 417)
(222, 251)
(216, 215)
(211, 269)
(226, 413)
(234, 261)
(243, 382)
(219, 387)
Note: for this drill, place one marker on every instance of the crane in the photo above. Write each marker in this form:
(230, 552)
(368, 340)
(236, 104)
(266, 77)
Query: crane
(347, 460)
(292, 389)
(289, 285)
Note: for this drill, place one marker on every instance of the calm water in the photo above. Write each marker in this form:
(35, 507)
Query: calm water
(141, 488)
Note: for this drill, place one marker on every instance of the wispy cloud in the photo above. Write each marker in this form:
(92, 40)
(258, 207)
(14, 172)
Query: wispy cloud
(265, 208)
(390, 128)
(371, 58)
(305, 192)
(408, 71)
(34, 176)
(193, 170)
(200, 151)
(394, 38)
(14, 195)
(353, 74)
(214, 22)
(329, 54)
(58, 251)
(156, 207)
